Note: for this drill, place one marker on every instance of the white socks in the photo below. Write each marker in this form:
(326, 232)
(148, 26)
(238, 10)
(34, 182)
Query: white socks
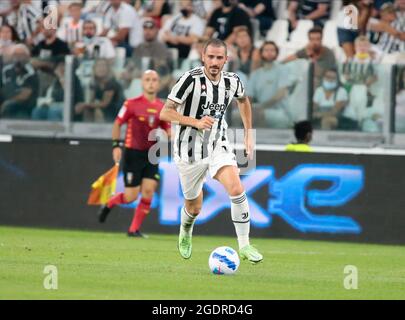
(241, 218)
(187, 222)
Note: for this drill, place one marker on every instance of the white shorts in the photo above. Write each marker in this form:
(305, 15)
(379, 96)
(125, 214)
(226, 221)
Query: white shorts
(193, 175)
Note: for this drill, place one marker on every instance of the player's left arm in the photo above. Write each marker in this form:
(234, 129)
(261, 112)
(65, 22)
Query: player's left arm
(245, 109)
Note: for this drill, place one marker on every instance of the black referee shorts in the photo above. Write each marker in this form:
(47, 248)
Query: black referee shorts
(136, 166)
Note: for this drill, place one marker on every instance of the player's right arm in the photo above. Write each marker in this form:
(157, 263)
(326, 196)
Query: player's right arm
(169, 113)
(123, 115)
(116, 136)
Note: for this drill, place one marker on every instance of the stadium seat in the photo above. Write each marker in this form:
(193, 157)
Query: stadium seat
(120, 56)
(340, 54)
(299, 37)
(256, 29)
(174, 52)
(278, 32)
(280, 9)
(335, 8)
(330, 38)
(134, 89)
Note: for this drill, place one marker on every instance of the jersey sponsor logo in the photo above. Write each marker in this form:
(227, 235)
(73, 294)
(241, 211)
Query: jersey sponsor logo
(151, 110)
(214, 106)
(151, 120)
(213, 109)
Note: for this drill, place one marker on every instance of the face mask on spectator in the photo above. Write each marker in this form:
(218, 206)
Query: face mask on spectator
(4, 43)
(19, 64)
(329, 85)
(87, 39)
(185, 12)
(362, 55)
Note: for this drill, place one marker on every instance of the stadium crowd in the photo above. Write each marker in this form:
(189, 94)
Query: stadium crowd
(346, 43)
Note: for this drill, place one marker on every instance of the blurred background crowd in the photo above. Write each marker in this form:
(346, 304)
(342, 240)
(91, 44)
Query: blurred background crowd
(335, 62)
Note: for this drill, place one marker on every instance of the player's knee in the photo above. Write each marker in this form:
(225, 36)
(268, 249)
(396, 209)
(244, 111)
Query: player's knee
(130, 196)
(147, 194)
(194, 209)
(236, 189)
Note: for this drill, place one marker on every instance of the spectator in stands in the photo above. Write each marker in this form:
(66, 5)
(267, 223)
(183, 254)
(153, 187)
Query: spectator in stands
(316, 10)
(50, 107)
(106, 95)
(361, 69)
(71, 27)
(225, 20)
(261, 10)
(124, 22)
(322, 57)
(8, 38)
(49, 51)
(94, 47)
(268, 89)
(400, 102)
(19, 89)
(204, 9)
(154, 9)
(150, 54)
(151, 47)
(303, 134)
(346, 36)
(329, 101)
(182, 30)
(390, 30)
(95, 8)
(244, 57)
(26, 19)
(400, 7)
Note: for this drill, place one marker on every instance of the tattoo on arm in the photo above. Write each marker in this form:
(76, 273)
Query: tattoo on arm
(171, 104)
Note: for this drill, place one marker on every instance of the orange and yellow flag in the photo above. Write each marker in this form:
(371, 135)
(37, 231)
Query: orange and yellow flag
(104, 187)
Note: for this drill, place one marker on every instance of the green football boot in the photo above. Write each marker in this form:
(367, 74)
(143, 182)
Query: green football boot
(251, 254)
(184, 245)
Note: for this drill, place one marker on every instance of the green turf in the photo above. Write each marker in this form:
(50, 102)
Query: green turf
(95, 265)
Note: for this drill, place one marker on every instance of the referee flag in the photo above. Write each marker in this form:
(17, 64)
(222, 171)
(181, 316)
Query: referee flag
(104, 187)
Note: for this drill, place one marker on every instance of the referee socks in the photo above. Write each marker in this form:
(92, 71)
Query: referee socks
(241, 218)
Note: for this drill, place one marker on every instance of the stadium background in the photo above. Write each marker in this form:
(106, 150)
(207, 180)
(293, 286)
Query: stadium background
(47, 164)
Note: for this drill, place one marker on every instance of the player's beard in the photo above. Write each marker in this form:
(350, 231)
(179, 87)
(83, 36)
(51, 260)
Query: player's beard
(214, 71)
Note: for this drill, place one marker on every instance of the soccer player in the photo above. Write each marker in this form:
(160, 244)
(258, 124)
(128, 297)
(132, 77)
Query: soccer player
(303, 134)
(141, 114)
(197, 104)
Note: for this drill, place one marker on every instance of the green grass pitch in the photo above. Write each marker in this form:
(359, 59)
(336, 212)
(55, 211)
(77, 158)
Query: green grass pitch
(96, 265)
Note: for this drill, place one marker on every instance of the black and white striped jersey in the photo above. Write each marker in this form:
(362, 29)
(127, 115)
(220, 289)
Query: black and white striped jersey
(387, 43)
(198, 96)
(25, 20)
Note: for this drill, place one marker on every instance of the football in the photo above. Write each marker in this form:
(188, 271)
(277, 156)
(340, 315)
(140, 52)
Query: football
(223, 260)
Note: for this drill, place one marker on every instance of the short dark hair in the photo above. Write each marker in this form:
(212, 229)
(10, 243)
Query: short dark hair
(315, 29)
(301, 129)
(90, 22)
(265, 43)
(215, 43)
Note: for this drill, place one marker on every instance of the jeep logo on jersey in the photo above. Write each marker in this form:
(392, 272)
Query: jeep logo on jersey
(214, 107)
